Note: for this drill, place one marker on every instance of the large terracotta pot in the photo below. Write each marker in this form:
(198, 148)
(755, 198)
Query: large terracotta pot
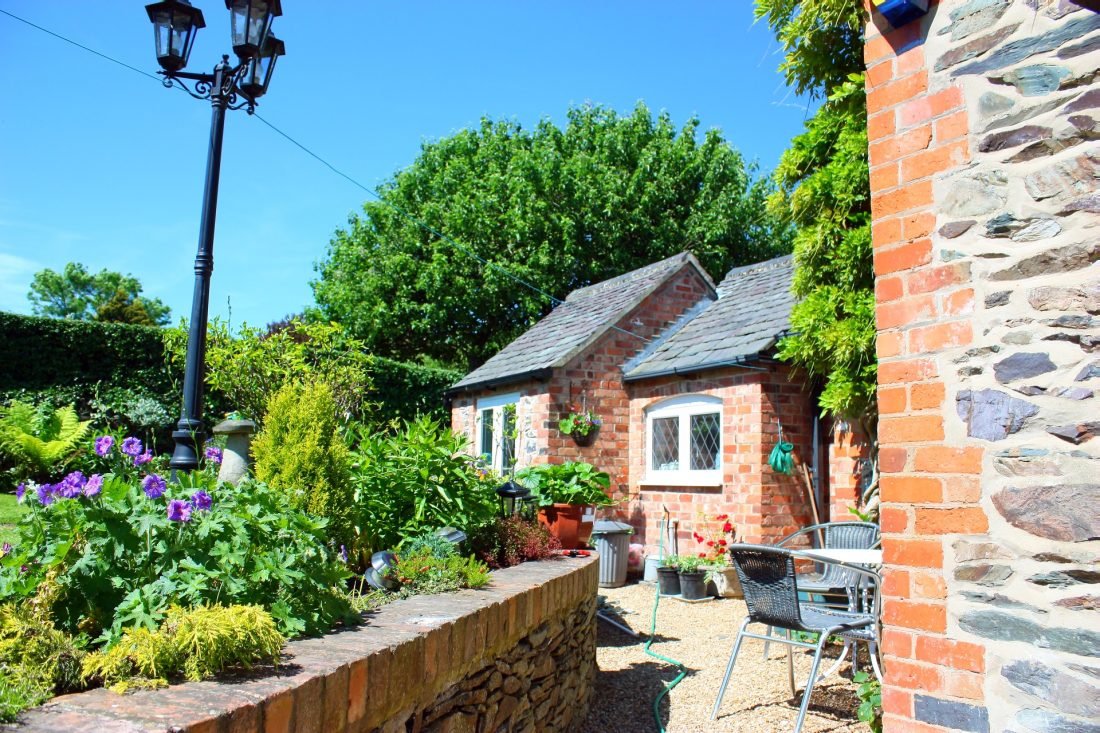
(570, 523)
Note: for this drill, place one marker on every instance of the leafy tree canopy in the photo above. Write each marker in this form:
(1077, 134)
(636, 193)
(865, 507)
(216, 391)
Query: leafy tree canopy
(822, 41)
(559, 208)
(105, 296)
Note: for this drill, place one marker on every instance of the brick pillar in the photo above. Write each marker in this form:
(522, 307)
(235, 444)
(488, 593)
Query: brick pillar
(928, 486)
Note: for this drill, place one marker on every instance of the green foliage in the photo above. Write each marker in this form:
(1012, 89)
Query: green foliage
(423, 573)
(824, 183)
(581, 423)
(300, 452)
(195, 644)
(120, 561)
(429, 542)
(39, 440)
(403, 391)
(560, 208)
(509, 541)
(19, 692)
(249, 368)
(36, 660)
(690, 563)
(417, 478)
(77, 294)
(572, 482)
(822, 40)
(869, 693)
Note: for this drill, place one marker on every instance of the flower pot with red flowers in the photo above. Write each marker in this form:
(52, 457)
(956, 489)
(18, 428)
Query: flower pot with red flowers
(582, 427)
(715, 533)
(567, 495)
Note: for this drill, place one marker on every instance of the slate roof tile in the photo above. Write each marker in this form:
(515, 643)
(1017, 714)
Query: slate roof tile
(585, 315)
(752, 311)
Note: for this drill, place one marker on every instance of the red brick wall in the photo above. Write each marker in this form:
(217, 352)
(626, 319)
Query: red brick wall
(928, 487)
(848, 448)
(763, 505)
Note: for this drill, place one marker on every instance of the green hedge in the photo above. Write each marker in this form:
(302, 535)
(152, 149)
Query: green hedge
(70, 360)
(44, 353)
(405, 391)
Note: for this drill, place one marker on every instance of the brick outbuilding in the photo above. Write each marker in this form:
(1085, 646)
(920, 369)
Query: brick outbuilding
(683, 375)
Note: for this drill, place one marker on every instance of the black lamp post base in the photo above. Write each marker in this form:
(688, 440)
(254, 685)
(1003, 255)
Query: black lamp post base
(188, 444)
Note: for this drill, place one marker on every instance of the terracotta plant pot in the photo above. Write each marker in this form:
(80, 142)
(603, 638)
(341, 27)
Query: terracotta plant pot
(693, 586)
(570, 523)
(669, 580)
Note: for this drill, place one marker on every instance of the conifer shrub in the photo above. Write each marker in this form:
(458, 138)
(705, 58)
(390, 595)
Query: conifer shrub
(195, 644)
(36, 660)
(299, 451)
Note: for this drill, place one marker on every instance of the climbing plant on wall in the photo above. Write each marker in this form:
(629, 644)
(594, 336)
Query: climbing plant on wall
(824, 188)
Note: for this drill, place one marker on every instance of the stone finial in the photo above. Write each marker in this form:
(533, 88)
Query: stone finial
(235, 456)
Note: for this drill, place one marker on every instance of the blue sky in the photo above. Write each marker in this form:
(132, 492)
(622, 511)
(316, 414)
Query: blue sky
(103, 166)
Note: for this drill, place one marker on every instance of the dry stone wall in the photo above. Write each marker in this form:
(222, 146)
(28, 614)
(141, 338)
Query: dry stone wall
(517, 656)
(984, 127)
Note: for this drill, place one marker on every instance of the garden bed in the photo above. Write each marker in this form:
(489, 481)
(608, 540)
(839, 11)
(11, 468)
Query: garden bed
(519, 650)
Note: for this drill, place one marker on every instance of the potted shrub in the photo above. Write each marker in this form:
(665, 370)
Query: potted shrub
(567, 495)
(668, 576)
(693, 586)
(582, 426)
(714, 534)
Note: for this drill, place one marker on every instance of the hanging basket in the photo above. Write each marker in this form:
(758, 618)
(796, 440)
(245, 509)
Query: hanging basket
(587, 439)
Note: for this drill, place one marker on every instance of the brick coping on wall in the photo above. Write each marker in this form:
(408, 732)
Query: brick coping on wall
(403, 657)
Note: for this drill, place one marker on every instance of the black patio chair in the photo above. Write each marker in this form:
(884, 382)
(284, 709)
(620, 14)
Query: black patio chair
(771, 593)
(835, 585)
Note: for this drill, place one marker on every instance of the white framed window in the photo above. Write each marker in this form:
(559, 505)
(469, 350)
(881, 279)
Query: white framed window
(684, 442)
(496, 430)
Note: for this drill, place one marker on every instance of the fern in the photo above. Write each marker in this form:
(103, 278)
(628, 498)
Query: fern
(42, 440)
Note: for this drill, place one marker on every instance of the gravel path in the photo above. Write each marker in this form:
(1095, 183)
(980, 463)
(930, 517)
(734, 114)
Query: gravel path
(701, 635)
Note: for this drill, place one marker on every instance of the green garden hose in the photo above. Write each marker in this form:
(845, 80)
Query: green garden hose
(781, 459)
(652, 633)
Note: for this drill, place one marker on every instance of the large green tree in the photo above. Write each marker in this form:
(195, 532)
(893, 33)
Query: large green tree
(558, 208)
(105, 296)
(824, 189)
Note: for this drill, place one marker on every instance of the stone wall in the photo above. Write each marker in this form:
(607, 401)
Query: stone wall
(984, 170)
(519, 655)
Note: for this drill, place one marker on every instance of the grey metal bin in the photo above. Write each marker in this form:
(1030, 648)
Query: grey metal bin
(612, 541)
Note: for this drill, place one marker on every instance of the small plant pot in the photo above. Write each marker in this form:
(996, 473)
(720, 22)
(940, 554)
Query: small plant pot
(567, 523)
(669, 581)
(693, 586)
(585, 440)
(727, 584)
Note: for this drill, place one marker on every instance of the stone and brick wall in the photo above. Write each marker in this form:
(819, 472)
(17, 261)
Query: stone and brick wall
(519, 655)
(984, 170)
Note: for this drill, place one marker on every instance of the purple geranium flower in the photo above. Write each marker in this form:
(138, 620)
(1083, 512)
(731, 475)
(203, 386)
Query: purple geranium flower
(5, 549)
(20, 491)
(94, 485)
(131, 447)
(343, 553)
(103, 445)
(71, 486)
(213, 454)
(179, 511)
(201, 500)
(45, 494)
(143, 458)
(154, 486)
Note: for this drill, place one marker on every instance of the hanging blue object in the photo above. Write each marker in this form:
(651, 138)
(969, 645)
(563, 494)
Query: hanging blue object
(900, 12)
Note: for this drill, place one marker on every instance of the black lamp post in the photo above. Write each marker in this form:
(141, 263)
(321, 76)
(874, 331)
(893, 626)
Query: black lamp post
(175, 23)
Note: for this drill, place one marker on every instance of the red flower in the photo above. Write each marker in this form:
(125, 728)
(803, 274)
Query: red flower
(698, 537)
(710, 543)
(727, 527)
(721, 517)
(722, 543)
(702, 554)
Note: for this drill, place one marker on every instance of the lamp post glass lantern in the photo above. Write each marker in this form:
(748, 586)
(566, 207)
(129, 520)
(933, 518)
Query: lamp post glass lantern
(175, 23)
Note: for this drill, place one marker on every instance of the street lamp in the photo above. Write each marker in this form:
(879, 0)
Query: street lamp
(238, 86)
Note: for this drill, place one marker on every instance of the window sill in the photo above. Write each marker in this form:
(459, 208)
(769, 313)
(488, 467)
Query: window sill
(682, 480)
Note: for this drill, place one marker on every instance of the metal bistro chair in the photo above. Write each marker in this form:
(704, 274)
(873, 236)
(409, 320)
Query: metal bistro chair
(834, 586)
(771, 593)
